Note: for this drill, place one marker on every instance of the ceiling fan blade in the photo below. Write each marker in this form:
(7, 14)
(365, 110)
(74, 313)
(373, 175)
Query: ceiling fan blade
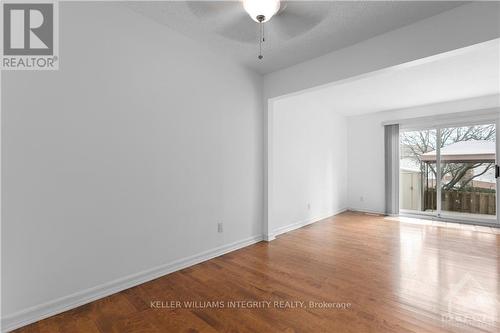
(215, 10)
(297, 18)
(241, 28)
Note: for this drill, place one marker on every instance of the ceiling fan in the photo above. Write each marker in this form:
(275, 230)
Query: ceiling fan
(281, 19)
(261, 11)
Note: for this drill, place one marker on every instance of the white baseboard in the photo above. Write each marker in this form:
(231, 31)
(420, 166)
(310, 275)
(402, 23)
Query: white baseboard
(300, 224)
(51, 308)
(369, 211)
(269, 237)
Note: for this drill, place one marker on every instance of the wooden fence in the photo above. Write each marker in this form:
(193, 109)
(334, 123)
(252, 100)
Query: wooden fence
(464, 202)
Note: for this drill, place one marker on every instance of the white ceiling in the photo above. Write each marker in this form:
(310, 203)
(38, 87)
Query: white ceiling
(302, 31)
(470, 72)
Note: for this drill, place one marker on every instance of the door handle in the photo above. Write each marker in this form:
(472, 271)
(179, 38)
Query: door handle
(497, 171)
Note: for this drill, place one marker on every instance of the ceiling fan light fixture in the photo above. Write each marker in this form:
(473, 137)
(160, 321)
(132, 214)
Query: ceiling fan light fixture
(261, 10)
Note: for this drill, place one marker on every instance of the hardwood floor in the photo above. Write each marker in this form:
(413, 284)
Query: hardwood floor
(410, 276)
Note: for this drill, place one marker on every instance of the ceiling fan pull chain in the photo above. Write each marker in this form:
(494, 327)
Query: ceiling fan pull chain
(261, 19)
(261, 39)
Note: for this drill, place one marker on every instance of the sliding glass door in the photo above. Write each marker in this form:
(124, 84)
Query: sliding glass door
(449, 172)
(468, 184)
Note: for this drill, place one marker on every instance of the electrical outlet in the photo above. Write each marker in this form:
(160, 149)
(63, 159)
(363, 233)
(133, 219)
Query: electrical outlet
(220, 228)
(361, 199)
(308, 206)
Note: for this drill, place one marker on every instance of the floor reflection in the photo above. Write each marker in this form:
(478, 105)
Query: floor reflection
(454, 270)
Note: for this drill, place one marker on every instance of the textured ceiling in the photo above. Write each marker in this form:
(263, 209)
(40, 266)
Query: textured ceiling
(302, 30)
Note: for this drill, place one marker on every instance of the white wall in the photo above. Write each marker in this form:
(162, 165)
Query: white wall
(366, 148)
(125, 159)
(309, 162)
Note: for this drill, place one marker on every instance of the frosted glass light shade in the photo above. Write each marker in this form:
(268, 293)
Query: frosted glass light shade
(267, 8)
